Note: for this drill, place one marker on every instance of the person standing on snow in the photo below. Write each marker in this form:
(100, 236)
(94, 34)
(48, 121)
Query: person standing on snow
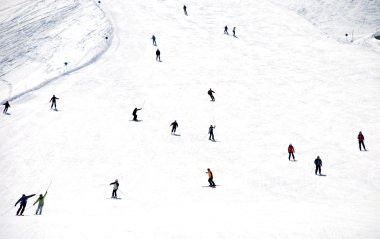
(174, 126)
(53, 101)
(210, 178)
(158, 55)
(318, 165)
(226, 30)
(134, 113)
(291, 151)
(211, 132)
(41, 202)
(23, 200)
(6, 106)
(154, 40)
(361, 141)
(115, 188)
(185, 9)
(233, 31)
(209, 92)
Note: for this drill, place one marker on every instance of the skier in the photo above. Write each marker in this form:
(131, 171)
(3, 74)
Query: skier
(53, 102)
(233, 31)
(154, 40)
(41, 202)
(174, 126)
(209, 92)
(318, 165)
(291, 151)
(226, 30)
(23, 200)
(135, 114)
(211, 132)
(361, 141)
(115, 188)
(210, 178)
(185, 9)
(158, 54)
(6, 106)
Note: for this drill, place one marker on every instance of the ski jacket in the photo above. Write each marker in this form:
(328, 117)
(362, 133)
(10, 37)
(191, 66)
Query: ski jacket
(53, 99)
(290, 149)
(115, 185)
(318, 162)
(174, 124)
(41, 200)
(24, 199)
(211, 129)
(135, 110)
(158, 52)
(210, 174)
(6, 104)
(361, 137)
(210, 92)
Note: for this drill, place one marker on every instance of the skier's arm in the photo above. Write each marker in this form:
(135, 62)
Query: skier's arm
(45, 194)
(112, 183)
(31, 195)
(35, 202)
(17, 202)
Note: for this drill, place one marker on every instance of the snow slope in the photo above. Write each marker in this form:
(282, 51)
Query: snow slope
(299, 88)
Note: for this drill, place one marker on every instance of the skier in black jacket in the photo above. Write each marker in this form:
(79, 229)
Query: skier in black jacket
(115, 188)
(135, 114)
(6, 106)
(53, 101)
(318, 165)
(185, 9)
(211, 132)
(174, 126)
(23, 200)
(158, 55)
(226, 30)
(209, 92)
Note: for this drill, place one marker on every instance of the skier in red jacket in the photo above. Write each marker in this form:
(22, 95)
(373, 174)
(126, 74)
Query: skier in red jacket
(291, 151)
(361, 141)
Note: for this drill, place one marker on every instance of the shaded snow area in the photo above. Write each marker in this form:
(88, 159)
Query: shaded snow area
(279, 81)
(359, 19)
(38, 37)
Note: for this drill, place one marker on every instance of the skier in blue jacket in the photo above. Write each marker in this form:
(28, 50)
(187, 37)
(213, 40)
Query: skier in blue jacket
(23, 200)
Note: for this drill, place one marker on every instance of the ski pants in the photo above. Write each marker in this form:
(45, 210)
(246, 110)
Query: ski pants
(291, 154)
(212, 97)
(114, 195)
(39, 209)
(360, 145)
(174, 129)
(158, 58)
(135, 117)
(21, 209)
(318, 169)
(225, 32)
(53, 104)
(211, 136)
(154, 43)
(211, 182)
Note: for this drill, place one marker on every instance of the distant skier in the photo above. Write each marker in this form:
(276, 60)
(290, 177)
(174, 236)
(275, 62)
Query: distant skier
(41, 202)
(185, 9)
(361, 141)
(233, 31)
(291, 151)
(158, 55)
(318, 165)
(115, 188)
(53, 101)
(174, 126)
(226, 30)
(209, 92)
(211, 132)
(154, 40)
(23, 200)
(134, 113)
(6, 106)
(210, 178)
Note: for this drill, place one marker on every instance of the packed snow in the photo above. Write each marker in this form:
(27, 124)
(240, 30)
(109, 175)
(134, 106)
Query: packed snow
(279, 81)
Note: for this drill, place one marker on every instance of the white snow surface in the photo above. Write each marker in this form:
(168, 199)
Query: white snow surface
(280, 81)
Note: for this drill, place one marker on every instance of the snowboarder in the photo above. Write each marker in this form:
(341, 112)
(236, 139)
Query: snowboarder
(174, 126)
(210, 178)
(209, 92)
(185, 9)
(291, 151)
(115, 188)
(6, 106)
(318, 165)
(211, 132)
(361, 141)
(23, 200)
(135, 114)
(158, 55)
(226, 30)
(53, 101)
(154, 40)
(233, 31)
(41, 202)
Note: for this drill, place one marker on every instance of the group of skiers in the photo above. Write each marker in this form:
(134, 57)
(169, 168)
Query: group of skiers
(233, 31)
(23, 201)
(53, 101)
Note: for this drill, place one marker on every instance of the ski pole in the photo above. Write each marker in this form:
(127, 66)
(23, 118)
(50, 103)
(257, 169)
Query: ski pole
(202, 170)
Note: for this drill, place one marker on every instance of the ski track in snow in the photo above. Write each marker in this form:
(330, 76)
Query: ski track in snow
(279, 82)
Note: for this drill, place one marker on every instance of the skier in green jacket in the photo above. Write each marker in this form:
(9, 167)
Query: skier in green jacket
(41, 201)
